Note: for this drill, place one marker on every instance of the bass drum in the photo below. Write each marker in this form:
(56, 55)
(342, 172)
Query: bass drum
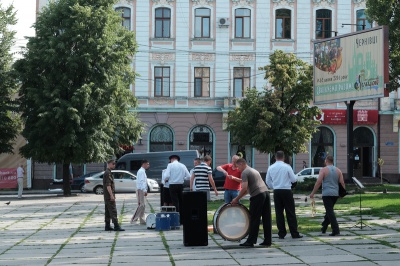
(232, 222)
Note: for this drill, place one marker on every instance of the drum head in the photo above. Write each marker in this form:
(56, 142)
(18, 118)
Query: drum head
(233, 222)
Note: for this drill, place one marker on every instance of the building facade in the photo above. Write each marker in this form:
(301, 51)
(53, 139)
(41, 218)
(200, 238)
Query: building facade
(196, 58)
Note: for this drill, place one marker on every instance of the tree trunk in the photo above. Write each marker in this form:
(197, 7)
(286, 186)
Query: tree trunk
(67, 179)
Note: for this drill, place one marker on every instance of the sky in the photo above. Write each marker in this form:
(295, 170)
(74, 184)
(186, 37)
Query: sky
(26, 13)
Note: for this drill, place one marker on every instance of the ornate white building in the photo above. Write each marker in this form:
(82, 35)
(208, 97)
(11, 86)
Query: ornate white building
(196, 58)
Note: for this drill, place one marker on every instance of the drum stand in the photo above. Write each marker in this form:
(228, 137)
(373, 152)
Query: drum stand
(359, 186)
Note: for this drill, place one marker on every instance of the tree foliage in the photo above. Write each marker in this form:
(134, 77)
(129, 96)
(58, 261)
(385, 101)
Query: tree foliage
(9, 120)
(277, 118)
(387, 12)
(75, 75)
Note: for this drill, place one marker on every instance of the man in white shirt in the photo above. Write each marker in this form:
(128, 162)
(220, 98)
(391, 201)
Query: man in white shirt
(20, 175)
(141, 192)
(280, 177)
(176, 174)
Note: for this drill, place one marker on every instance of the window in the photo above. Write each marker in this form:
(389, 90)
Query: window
(202, 23)
(201, 139)
(201, 82)
(241, 80)
(163, 22)
(161, 139)
(323, 24)
(161, 81)
(362, 20)
(242, 23)
(126, 16)
(283, 24)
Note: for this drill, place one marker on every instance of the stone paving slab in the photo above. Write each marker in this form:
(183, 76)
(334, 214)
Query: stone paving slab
(35, 230)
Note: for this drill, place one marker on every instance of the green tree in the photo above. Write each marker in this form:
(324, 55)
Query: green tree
(75, 76)
(277, 118)
(9, 120)
(387, 12)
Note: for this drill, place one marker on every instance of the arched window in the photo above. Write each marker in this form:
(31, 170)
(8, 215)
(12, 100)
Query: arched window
(243, 151)
(323, 24)
(126, 16)
(283, 23)
(161, 139)
(322, 144)
(163, 23)
(201, 139)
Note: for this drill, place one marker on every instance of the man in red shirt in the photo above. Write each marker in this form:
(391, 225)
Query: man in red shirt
(233, 179)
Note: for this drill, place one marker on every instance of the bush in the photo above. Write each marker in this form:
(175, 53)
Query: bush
(306, 186)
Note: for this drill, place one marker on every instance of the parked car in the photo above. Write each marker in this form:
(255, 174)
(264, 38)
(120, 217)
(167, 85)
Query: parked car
(219, 178)
(312, 172)
(124, 181)
(77, 183)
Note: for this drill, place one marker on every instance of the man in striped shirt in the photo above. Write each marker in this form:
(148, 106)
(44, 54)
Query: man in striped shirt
(202, 177)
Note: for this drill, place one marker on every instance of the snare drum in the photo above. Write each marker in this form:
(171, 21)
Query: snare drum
(232, 222)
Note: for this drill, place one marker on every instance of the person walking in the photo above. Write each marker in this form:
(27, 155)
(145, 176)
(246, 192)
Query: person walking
(141, 192)
(260, 204)
(202, 177)
(175, 174)
(329, 177)
(280, 178)
(233, 179)
(109, 199)
(20, 176)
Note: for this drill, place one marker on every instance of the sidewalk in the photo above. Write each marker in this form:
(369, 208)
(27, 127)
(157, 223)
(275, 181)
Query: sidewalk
(47, 229)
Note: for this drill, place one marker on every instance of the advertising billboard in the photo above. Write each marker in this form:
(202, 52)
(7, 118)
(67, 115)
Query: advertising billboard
(351, 67)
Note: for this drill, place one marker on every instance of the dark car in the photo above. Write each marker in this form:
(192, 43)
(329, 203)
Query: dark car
(77, 183)
(219, 178)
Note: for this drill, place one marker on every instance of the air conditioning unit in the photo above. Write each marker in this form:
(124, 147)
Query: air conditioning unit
(223, 22)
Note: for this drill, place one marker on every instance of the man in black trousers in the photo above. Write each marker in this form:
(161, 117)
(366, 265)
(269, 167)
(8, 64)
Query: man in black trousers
(280, 177)
(260, 204)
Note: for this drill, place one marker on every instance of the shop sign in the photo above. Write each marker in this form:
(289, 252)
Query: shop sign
(8, 178)
(339, 117)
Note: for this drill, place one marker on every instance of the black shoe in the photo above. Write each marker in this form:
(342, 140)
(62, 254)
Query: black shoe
(246, 244)
(108, 228)
(265, 244)
(281, 237)
(118, 228)
(298, 236)
(323, 229)
(334, 234)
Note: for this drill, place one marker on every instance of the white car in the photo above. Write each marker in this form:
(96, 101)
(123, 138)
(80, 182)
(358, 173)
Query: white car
(312, 172)
(124, 181)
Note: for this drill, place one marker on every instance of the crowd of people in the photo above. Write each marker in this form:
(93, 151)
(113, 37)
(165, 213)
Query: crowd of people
(240, 180)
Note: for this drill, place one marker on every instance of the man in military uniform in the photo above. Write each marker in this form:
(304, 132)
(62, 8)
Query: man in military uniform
(109, 199)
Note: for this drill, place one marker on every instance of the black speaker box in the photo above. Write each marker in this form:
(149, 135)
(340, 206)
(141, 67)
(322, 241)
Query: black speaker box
(194, 212)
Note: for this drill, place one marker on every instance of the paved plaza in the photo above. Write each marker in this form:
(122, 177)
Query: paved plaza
(49, 229)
